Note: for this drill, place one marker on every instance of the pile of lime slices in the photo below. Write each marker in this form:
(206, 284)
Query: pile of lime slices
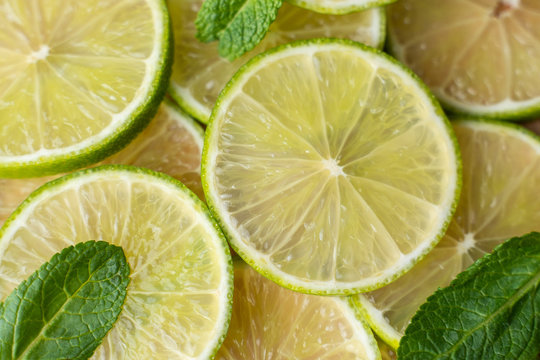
(348, 184)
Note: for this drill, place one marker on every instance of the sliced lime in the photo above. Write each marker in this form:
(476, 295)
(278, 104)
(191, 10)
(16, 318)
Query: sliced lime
(199, 74)
(78, 80)
(270, 322)
(338, 7)
(501, 175)
(179, 298)
(329, 167)
(478, 57)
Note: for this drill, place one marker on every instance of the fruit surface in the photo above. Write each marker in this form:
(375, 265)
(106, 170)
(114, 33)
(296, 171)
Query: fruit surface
(479, 57)
(199, 73)
(271, 322)
(78, 80)
(171, 144)
(330, 168)
(501, 175)
(178, 299)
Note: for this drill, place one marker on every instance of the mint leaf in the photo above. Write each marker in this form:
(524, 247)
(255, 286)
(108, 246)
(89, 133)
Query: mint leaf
(239, 25)
(64, 309)
(490, 311)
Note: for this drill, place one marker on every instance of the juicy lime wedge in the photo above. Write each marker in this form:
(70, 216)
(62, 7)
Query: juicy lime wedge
(339, 7)
(330, 168)
(199, 74)
(478, 57)
(179, 299)
(501, 175)
(270, 322)
(171, 144)
(77, 80)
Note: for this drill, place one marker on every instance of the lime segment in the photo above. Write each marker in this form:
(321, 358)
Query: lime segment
(501, 173)
(199, 74)
(78, 80)
(330, 168)
(268, 319)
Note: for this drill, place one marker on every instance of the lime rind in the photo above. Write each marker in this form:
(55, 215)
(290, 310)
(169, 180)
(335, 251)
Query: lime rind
(123, 134)
(268, 270)
(199, 206)
(374, 316)
(329, 8)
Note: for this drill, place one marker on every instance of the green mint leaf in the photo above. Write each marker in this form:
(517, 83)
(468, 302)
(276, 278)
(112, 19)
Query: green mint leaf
(65, 308)
(239, 25)
(490, 311)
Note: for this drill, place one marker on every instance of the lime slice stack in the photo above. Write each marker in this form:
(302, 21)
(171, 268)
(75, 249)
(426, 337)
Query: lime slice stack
(179, 298)
(269, 322)
(329, 167)
(78, 80)
(478, 57)
(501, 175)
(171, 144)
(199, 73)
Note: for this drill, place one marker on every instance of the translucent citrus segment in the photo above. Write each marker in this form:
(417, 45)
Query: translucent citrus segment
(171, 144)
(199, 73)
(271, 322)
(387, 353)
(479, 57)
(78, 80)
(501, 175)
(339, 7)
(330, 168)
(178, 300)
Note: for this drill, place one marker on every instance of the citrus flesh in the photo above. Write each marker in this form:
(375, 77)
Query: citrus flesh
(339, 7)
(501, 173)
(479, 57)
(329, 167)
(199, 73)
(178, 299)
(271, 322)
(171, 144)
(78, 80)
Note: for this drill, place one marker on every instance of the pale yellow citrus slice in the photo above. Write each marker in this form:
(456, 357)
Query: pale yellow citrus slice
(78, 80)
(479, 57)
(329, 167)
(271, 322)
(199, 74)
(171, 144)
(501, 178)
(179, 297)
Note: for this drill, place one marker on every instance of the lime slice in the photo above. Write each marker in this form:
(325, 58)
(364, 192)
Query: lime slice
(77, 81)
(171, 144)
(387, 353)
(330, 168)
(478, 57)
(338, 7)
(179, 299)
(199, 74)
(501, 174)
(270, 322)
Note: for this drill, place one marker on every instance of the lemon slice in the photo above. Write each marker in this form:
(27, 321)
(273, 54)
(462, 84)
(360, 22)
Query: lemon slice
(270, 322)
(199, 74)
(78, 81)
(330, 168)
(179, 299)
(171, 144)
(501, 175)
(339, 7)
(478, 57)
